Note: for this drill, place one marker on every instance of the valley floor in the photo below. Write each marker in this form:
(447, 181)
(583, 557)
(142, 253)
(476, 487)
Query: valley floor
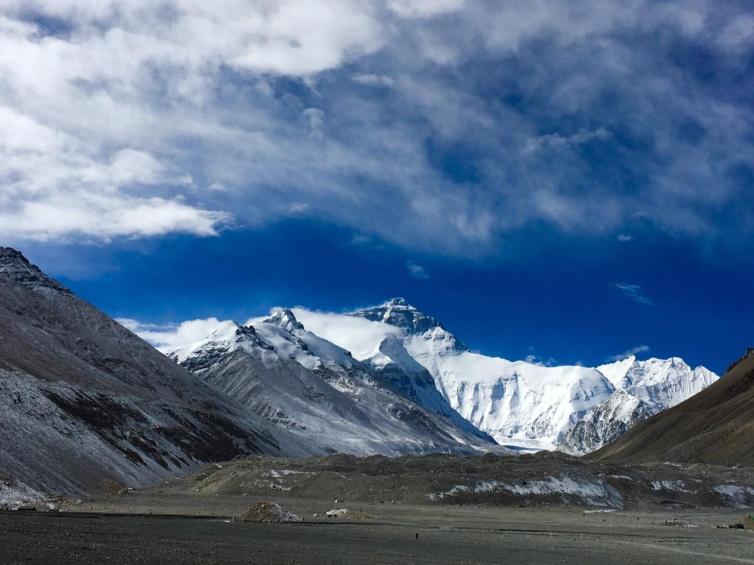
(544, 508)
(122, 530)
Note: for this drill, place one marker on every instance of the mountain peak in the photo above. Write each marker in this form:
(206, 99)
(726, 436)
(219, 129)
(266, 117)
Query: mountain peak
(399, 301)
(284, 318)
(19, 269)
(398, 312)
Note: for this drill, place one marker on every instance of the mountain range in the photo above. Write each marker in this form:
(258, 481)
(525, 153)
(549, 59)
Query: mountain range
(84, 401)
(317, 391)
(522, 405)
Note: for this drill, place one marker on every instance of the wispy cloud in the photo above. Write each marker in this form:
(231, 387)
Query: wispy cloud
(634, 292)
(629, 353)
(558, 141)
(370, 79)
(416, 270)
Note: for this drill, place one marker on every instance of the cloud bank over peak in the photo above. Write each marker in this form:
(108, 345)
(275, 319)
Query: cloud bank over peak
(122, 119)
(168, 337)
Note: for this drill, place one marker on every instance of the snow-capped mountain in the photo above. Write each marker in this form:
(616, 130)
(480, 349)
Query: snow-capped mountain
(84, 401)
(661, 382)
(606, 422)
(521, 404)
(317, 391)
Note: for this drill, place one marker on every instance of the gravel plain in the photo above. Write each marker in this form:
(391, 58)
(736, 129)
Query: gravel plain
(163, 529)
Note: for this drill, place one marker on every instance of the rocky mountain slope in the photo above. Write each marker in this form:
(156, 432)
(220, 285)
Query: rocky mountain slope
(715, 426)
(521, 404)
(318, 392)
(84, 401)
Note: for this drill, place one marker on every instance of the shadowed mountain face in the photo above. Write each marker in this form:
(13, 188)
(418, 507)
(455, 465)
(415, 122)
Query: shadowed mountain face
(83, 400)
(715, 426)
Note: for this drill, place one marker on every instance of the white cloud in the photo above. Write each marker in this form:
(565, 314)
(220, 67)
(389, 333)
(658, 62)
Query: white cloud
(53, 186)
(360, 336)
(303, 37)
(361, 240)
(130, 117)
(629, 353)
(298, 208)
(129, 323)
(371, 79)
(555, 141)
(315, 119)
(105, 217)
(738, 34)
(416, 270)
(82, 130)
(169, 337)
(424, 8)
(634, 292)
(537, 360)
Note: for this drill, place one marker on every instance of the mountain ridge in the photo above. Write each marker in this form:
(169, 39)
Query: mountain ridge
(493, 392)
(318, 391)
(523, 405)
(15, 266)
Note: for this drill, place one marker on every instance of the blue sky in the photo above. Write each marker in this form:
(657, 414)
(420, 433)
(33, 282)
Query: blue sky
(560, 300)
(568, 181)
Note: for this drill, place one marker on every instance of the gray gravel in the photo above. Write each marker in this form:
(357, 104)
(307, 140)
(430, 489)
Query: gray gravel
(446, 535)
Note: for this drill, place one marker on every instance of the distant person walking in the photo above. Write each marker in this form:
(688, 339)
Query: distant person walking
(417, 536)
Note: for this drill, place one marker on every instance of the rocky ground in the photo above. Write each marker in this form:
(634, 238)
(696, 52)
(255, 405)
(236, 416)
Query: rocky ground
(446, 534)
(543, 479)
(545, 508)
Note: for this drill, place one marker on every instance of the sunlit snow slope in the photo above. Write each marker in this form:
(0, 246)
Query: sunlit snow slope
(520, 404)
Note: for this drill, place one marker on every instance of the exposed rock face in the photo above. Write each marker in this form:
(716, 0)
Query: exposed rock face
(84, 401)
(398, 312)
(18, 269)
(606, 422)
